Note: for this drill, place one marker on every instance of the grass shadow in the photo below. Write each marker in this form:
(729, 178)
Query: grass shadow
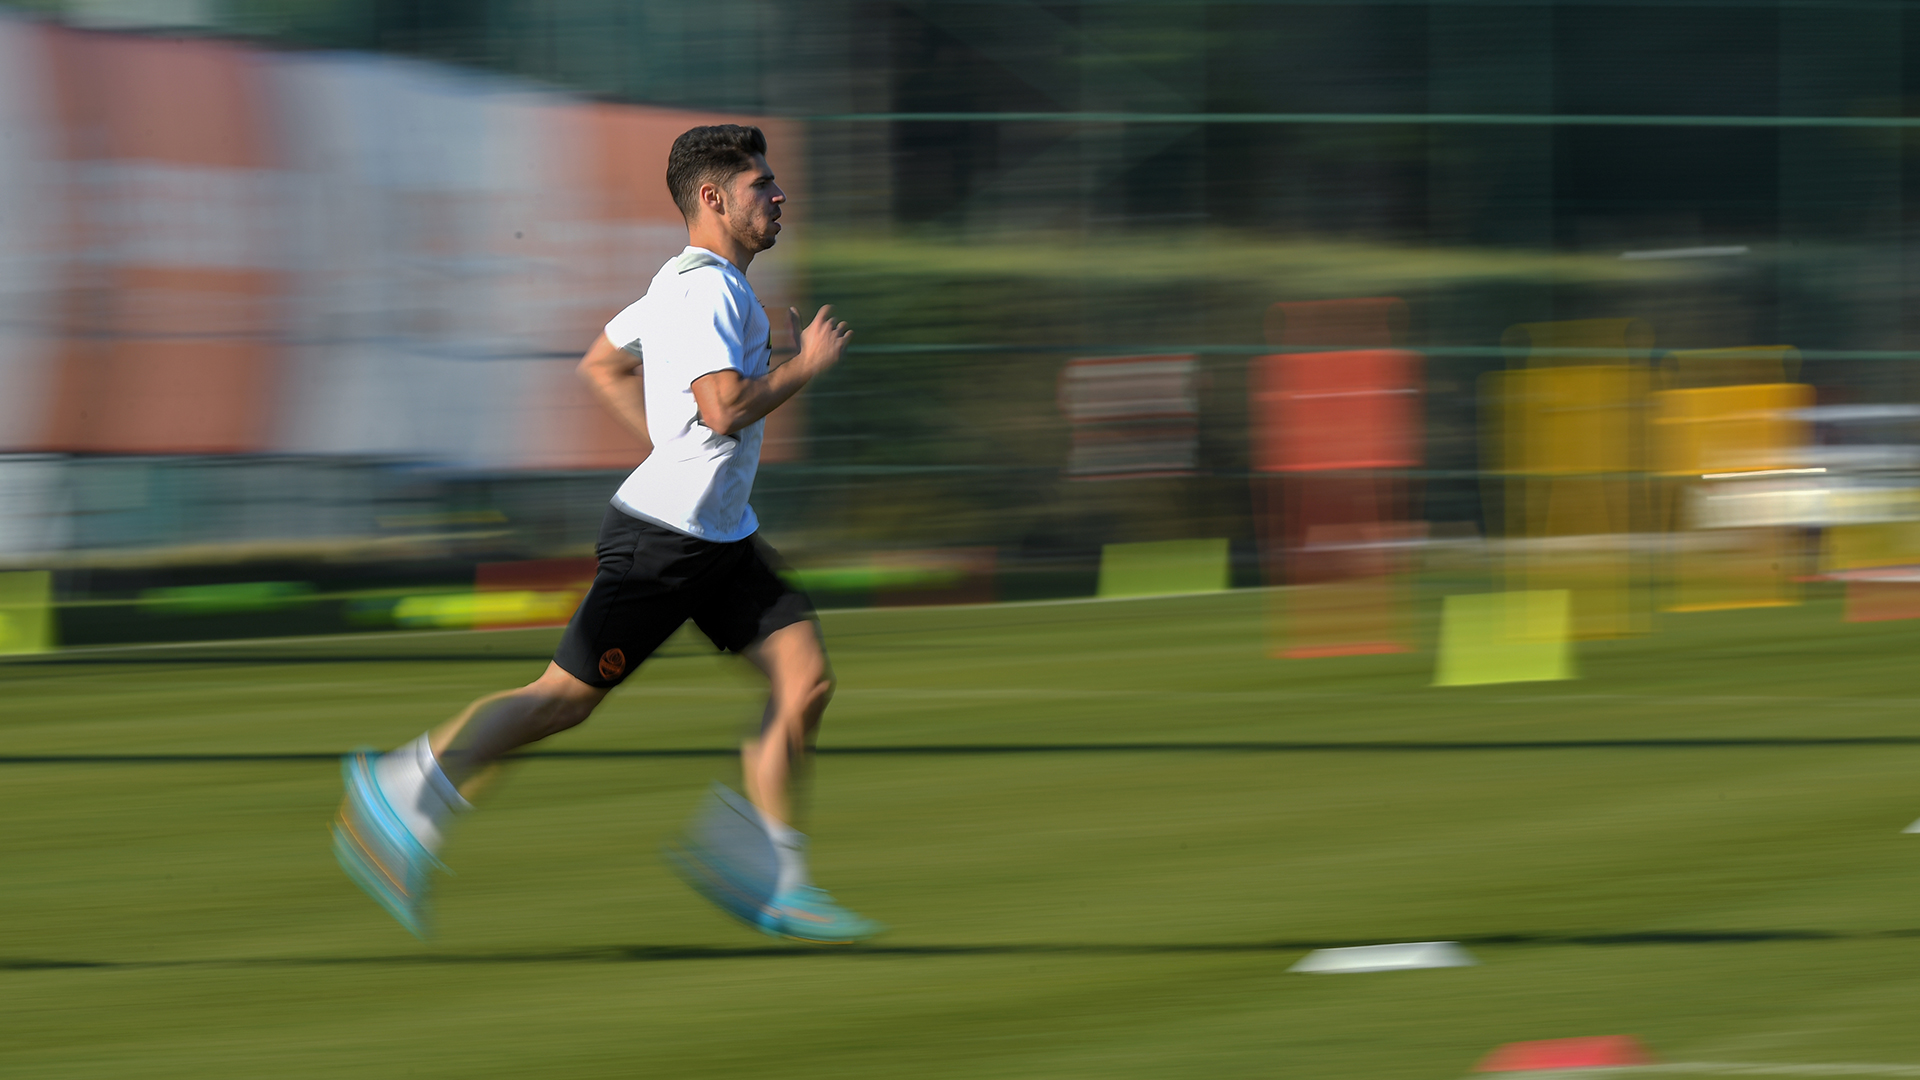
(616, 954)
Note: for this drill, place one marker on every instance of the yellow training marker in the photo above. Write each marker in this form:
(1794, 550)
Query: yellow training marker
(1505, 637)
(26, 612)
(1163, 567)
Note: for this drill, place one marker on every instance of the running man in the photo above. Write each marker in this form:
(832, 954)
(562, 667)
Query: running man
(688, 364)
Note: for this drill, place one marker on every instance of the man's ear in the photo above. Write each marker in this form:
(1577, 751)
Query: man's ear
(712, 195)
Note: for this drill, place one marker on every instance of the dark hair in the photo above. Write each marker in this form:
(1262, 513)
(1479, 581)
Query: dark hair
(709, 155)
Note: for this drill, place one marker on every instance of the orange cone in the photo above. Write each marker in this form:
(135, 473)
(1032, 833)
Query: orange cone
(1592, 1052)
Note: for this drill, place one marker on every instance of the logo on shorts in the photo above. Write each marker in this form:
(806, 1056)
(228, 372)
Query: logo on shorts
(613, 662)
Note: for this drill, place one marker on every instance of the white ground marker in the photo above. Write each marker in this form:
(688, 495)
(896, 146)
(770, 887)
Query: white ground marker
(1400, 957)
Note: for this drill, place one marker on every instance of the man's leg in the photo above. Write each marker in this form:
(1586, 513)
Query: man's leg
(399, 805)
(799, 685)
(497, 725)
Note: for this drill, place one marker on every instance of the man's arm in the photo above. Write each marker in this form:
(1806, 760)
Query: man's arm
(730, 401)
(613, 374)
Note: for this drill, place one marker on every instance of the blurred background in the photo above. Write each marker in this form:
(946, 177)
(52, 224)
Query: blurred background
(1605, 299)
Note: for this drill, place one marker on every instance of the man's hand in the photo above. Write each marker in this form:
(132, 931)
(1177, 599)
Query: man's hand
(823, 342)
(729, 402)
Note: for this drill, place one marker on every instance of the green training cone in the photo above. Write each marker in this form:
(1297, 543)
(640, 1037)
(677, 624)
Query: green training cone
(26, 612)
(1164, 567)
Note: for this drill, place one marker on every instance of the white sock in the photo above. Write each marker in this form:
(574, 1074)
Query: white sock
(419, 792)
(790, 848)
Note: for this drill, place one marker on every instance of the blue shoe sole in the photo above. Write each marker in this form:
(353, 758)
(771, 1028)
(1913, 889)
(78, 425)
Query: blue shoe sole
(712, 881)
(372, 881)
(798, 931)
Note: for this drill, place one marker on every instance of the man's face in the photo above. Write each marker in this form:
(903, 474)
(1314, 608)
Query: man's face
(753, 206)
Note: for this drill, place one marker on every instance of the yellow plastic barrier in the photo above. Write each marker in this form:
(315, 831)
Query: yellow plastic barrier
(1869, 545)
(1718, 446)
(1566, 442)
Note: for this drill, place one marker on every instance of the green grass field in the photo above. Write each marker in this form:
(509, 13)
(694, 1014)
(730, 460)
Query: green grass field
(1102, 833)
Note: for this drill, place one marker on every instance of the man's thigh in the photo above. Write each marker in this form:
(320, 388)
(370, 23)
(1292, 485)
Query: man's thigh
(613, 631)
(793, 658)
(639, 597)
(746, 600)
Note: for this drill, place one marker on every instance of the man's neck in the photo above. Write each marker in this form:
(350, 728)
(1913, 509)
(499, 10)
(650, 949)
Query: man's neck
(717, 240)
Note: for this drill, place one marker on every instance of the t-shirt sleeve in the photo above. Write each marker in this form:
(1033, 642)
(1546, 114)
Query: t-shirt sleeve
(624, 329)
(708, 331)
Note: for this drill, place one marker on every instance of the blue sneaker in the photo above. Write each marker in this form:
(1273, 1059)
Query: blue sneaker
(378, 852)
(720, 884)
(727, 857)
(808, 913)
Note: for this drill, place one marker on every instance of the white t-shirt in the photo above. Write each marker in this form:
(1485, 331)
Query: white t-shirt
(699, 316)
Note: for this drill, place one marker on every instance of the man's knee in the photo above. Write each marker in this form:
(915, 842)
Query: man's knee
(806, 678)
(813, 702)
(564, 700)
(570, 711)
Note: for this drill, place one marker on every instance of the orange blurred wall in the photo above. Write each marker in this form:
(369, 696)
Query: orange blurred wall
(169, 313)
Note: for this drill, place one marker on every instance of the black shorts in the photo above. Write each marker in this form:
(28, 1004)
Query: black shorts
(653, 579)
